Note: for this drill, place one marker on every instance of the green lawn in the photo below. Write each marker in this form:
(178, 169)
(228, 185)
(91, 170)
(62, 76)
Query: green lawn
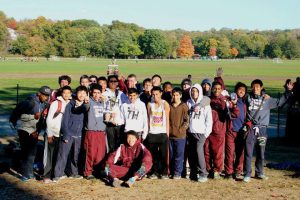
(31, 75)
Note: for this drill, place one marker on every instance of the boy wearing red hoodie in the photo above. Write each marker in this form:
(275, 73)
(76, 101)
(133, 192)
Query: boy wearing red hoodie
(130, 162)
(222, 111)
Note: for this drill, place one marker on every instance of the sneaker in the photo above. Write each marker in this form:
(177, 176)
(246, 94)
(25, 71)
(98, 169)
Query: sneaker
(202, 179)
(130, 182)
(228, 177)
(246, 179)
(238, 176)
(217, 175)
(89, 177)
(56, 179)
(152, 177)
(76, 176)
(262, 177)
(24, 178)
(164, 177)
(47, 180)
(176, 177)
(116, 182)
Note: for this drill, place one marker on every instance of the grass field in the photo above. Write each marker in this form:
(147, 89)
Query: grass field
(32, 75)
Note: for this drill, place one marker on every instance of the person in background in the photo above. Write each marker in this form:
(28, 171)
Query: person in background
(156, 80)
(145, 96)
(167, 91)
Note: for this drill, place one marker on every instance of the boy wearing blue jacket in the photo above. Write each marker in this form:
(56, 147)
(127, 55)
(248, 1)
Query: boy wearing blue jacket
(71, 129)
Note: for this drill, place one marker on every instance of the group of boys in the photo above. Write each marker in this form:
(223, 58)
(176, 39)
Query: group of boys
(124, 130)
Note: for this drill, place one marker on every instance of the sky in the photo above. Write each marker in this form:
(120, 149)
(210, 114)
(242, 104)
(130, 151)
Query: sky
(191, 15)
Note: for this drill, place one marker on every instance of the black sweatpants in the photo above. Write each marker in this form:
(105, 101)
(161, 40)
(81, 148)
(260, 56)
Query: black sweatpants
(158, 146)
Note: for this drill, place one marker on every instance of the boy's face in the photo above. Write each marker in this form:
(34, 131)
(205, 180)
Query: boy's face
(156, 95)
(63, 83)
(131, 81)
(131, 140)
(113, 83)
(156, 81)
(66, 94)
(81, 95)
(195, 93)
(217, 90)
(241, 91)
(93, 80)
(43, 98)
(176, 97)
(103, 84)
(148, 86)
(256, 89)
(206, 87)
(85, 82)
(96, 94)
(168, 88)
(133, 97)
(186, 86)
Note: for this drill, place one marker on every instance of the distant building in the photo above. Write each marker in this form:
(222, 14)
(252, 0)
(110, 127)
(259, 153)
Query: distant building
(12, 33)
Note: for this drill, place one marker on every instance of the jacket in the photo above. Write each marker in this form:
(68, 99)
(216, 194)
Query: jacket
(179, 121)
(200, 114)
(54, 123)
(73, 120)
(94, 121)
(127, 156)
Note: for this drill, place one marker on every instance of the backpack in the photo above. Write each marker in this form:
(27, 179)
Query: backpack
(21, 108)
(41, 125)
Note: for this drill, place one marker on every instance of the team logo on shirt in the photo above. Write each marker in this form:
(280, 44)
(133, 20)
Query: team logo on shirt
(133, 113)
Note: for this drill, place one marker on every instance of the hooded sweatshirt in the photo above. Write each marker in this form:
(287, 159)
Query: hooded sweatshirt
(94, 120)
(73, 120)
(221, 113)
(54, 123)
(200, 113)
(179, 120)
(135, 117)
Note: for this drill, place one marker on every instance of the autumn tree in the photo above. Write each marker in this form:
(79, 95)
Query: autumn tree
(234, 52)
(212, 52)
(186, 48)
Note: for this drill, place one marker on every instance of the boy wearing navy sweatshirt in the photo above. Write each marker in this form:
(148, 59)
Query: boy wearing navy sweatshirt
(71, 129)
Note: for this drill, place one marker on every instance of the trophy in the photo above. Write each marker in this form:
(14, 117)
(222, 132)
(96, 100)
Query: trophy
(112, 68)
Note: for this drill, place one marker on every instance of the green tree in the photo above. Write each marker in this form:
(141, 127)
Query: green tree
(153, 44)
(224, 48)
(95, 38)
(20, 46)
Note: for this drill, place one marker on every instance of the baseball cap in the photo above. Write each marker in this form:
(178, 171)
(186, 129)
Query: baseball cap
(45, 90)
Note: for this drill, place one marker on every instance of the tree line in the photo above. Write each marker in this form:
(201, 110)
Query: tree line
(75, 38)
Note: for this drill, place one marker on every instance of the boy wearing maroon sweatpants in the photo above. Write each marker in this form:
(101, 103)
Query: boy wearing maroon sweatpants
(214, 144)
(130, 162)
(95, 138)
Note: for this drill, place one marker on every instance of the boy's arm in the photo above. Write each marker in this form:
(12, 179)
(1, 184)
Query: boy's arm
(149, 114)
(167, 110)
(65, 122)
(185, 117)
(147, 160)
(49, 121)
(145, 121)
(208, 121)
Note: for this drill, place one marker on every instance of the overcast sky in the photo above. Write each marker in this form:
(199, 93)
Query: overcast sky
(166, 14)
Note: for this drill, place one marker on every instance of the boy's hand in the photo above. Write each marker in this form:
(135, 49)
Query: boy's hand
(50, 140)
(266, 96)
(65, 141)
(35, 134)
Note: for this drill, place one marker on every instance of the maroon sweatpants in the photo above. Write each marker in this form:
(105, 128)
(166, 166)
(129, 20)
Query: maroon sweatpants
(214, 152)
(234, 153)
(95, 148)
(117, 171)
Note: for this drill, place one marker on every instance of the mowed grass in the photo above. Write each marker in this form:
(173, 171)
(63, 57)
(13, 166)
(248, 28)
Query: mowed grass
(32, 75)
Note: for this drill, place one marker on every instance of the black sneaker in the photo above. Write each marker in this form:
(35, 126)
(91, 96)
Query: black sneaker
(229, 177)
(89, 177)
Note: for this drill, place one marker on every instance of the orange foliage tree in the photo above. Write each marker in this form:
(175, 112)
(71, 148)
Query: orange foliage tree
(234, 52)
(11, 23)
(186, 48)
(212, 51)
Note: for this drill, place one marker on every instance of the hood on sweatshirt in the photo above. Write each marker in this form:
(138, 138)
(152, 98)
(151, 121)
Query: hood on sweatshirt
(199, 88)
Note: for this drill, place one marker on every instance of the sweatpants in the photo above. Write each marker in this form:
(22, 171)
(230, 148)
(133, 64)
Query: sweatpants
(50, 156)
(114, 137)
(158, 146)
(196, 155)
(176, 147)
(256, 139)
(214, 152)
(124, 173)
(28, 146)
(70, 149)
(234, 153)
(95, 150)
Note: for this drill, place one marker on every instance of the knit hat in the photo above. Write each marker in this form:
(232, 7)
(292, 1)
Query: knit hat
(45, 90)
(206, 81)
(186, 81)
(131, 132)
